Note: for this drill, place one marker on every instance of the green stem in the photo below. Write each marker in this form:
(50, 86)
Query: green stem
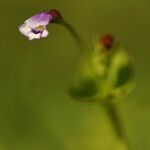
(80, 43)
(112, 112)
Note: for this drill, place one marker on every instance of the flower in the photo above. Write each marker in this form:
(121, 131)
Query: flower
(35, 26)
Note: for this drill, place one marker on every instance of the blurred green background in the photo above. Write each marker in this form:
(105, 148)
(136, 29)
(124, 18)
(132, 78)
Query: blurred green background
(35, 111)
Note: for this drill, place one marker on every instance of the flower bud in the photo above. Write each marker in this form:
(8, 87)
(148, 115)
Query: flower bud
(107, 41)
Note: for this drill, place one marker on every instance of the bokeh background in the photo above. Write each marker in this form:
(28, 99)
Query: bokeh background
(35, 111)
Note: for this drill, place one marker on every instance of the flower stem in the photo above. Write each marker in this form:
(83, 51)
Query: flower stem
(117, 124)
(80, 43)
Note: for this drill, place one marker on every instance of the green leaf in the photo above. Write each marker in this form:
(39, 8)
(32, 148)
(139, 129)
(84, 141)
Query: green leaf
(86, 89)
(125, 74)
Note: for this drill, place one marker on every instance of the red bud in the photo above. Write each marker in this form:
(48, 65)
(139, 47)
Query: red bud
(107, 41)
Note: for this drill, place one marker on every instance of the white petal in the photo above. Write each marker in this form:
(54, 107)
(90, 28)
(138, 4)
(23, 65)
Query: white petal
(24, 29)
(32, 36)
(45, 33)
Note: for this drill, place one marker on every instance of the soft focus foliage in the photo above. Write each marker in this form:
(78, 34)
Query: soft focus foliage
(105, 73)
(36, 112)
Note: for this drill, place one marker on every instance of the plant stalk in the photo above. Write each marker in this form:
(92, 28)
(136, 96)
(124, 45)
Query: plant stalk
(112, 112)
(75, 35)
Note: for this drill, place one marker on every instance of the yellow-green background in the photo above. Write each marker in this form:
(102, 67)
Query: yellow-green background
(35, 111)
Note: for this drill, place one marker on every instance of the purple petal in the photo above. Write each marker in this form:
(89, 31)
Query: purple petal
(39, 19)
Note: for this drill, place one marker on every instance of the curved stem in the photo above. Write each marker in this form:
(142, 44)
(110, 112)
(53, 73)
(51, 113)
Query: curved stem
(80, 43)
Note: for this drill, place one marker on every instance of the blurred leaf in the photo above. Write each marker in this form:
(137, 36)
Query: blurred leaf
(86, 89)
(125, 74)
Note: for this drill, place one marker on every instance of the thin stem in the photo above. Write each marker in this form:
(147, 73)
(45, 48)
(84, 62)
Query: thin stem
(117, 124)
(80, 43)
